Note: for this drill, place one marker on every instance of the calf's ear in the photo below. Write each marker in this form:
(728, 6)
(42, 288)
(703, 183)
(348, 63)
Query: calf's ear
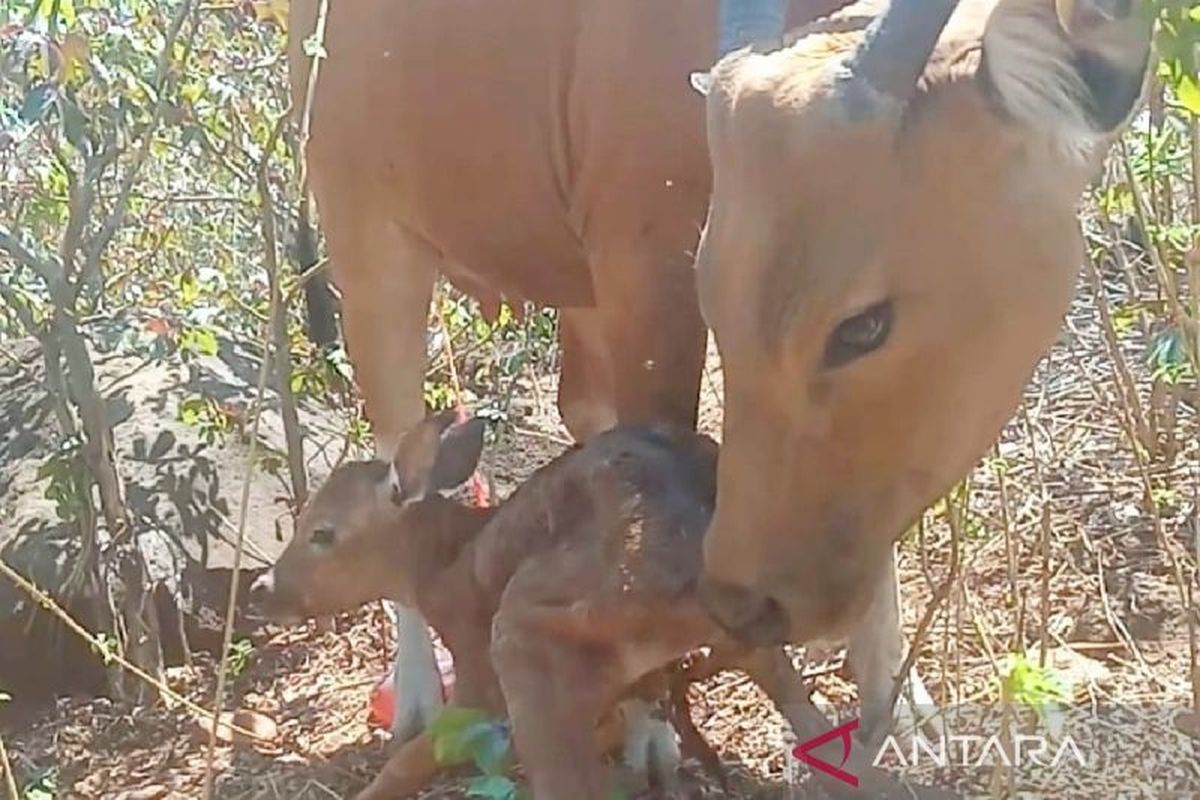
(458, 454)
(439, 453)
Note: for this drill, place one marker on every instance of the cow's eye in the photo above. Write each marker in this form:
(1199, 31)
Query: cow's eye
(858, 335)
(323, 536)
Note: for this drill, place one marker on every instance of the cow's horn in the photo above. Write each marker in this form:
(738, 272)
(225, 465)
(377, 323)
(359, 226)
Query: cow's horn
(746, 22)
(898, 44)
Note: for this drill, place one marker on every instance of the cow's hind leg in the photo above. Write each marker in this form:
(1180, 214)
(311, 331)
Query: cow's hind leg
(651, 750)
(385, 275)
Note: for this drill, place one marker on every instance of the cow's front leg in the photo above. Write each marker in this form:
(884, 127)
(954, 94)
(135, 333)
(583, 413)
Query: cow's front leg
(585, 387)
(646, 304)
(875, 653)
(385, 275)
(771, 668)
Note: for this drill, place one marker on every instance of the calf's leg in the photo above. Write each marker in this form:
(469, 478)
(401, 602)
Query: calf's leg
(555, 696)
(413, 765)
(409, 770)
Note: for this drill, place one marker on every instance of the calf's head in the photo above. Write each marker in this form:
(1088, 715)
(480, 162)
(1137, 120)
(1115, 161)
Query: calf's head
(365, 534)
(890, 248)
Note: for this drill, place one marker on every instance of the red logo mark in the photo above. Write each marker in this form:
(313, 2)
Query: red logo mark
(802, 752)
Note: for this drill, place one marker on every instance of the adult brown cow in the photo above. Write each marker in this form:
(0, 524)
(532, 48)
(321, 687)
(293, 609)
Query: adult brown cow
(892, 239)
(543, 150)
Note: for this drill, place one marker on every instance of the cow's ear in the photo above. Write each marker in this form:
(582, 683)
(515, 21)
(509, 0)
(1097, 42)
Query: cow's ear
(1075, 69)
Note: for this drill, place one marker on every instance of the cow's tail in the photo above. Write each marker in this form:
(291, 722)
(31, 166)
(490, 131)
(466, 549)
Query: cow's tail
(320, 305)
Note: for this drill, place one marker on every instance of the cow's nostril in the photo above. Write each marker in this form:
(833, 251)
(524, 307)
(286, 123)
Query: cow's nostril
(753, 618)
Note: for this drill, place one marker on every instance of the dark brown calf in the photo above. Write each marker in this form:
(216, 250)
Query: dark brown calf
(577, 588)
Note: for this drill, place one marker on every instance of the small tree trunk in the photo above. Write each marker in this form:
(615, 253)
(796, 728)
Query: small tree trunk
(142, 642)
(122, 567)
(282, 366)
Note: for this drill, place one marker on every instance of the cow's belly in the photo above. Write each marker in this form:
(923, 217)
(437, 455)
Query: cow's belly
(441, 112)
(520, 137)
(499, 233)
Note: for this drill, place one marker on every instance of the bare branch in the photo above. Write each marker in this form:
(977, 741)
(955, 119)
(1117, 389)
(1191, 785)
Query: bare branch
(47, 270)
(283, 353)
(116, 218)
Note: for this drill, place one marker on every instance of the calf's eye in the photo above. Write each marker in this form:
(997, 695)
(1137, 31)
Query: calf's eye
(858, 335)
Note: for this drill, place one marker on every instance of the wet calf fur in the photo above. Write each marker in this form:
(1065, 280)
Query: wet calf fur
(554, 604)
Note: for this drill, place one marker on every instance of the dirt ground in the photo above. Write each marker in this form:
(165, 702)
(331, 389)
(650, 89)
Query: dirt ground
(1101, 593)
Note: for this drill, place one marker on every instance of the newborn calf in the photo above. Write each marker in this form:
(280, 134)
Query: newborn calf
(581, 585)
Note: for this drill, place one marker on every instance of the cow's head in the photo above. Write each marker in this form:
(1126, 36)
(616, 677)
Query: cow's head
(890, 248)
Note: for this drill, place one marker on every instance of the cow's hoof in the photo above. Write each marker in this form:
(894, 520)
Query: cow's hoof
(651, 756)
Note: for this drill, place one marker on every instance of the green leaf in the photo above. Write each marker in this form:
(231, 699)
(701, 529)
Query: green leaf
(189, 289)
(106, 647)
(1035, 686)
(1125, 317)
(489, 745)
(191, 410)
(1189, 94)
(199, 340)
(450, 746)
(66, 10)
(1168, 356)
(239, 656)
(36, 103)
(492, 787)
(43, 786)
